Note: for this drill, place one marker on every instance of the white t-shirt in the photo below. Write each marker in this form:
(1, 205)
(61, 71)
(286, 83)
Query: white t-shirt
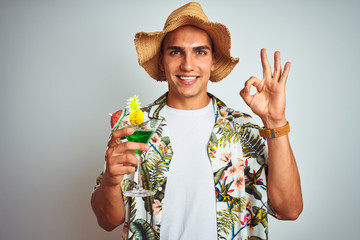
(189, 205)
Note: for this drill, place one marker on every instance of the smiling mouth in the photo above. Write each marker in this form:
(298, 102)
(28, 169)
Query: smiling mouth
(188, 79)
(185, 78)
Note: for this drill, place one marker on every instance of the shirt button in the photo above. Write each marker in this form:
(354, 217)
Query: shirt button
(160, 188)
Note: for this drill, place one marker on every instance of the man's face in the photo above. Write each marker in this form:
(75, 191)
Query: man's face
(187, 60)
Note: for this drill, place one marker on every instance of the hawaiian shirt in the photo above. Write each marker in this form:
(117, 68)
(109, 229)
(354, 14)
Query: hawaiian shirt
(238, 156)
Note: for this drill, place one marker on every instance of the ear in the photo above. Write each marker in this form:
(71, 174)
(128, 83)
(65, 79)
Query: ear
(160, 62)
(213, 61)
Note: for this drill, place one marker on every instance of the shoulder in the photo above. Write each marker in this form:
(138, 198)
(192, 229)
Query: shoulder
(232, 115)
(229, 114)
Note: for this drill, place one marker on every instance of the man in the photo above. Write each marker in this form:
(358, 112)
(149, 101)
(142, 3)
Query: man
(221, 177)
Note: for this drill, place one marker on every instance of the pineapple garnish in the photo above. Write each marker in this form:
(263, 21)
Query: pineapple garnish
(136, 116)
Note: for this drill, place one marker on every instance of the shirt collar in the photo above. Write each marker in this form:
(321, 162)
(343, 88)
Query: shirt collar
(157, 110)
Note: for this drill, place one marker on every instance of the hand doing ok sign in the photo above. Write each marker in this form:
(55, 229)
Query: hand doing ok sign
(269, 101)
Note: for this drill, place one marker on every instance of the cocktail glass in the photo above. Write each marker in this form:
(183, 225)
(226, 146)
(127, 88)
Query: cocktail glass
(142, 134)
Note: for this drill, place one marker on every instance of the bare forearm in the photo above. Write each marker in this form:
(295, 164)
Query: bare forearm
(284, 188)
(269, 104)
(108, 206)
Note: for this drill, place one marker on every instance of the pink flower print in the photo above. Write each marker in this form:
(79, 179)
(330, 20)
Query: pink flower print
(232, 170)
(223, 114)
(240, 166)
(246, 218)
(239, 182)
(248, 203)
(239, 163)
(157, 206)
(226, 156)
(155, 139)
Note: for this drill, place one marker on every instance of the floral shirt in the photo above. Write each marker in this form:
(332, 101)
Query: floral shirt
(238, 156)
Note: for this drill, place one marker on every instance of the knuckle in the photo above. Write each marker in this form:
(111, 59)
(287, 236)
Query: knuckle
(108, 152)
(111, 170)
(109, 144)
(129, 157)
(110, 161)
(128, 170)
(131, 170)
(128, 145)
(116, 133)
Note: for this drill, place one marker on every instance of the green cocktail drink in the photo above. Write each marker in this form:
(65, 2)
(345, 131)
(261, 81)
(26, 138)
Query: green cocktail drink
(140, 137)
(142, 134)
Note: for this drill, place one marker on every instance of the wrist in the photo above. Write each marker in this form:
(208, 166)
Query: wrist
(270, 123)
(110, 186)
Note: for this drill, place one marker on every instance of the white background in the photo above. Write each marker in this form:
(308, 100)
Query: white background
(65, 65)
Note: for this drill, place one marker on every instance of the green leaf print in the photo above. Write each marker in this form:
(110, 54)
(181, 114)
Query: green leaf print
(233, 132)
(159, 130)
(252, 146)
(224, 223)
(132, 209)
(258, 215)
(218, 174)
(251, 184)
(142, 230)
(156, 167)
(228, 218)
(145, 176)
(159, 195)
(229, 132)
(213, 138)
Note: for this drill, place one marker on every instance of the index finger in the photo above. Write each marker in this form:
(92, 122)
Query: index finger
(265, 64)
(118, 134)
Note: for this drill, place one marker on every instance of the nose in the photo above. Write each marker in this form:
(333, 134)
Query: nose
(187, 63)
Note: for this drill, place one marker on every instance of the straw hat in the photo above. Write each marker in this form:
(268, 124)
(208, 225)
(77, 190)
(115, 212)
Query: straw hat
(148, 44)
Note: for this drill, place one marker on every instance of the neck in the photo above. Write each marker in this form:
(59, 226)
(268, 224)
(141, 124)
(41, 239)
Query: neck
(190, 103)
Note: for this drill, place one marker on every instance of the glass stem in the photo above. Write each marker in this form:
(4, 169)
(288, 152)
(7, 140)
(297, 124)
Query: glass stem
(139, 185)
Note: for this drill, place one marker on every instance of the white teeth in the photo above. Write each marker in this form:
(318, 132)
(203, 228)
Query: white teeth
(187, 78)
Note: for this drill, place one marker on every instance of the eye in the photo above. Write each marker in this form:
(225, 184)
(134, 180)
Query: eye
(201, 52)
(175, 52)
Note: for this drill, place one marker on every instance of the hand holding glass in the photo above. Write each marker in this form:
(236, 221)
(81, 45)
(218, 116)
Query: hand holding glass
(142, 134)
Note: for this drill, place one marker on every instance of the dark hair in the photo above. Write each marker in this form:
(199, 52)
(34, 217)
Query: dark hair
(210, 40)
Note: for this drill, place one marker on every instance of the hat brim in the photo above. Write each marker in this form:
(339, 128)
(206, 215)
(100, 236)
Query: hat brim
(148, 45)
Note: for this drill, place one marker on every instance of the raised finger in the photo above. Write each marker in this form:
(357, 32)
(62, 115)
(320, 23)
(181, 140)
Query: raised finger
(117, 166)
(253, 81)
(285, 74)
(123, 159)
(265, 64)
(123, 170)
(118, 134)
(130, 146)
(277, 66)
